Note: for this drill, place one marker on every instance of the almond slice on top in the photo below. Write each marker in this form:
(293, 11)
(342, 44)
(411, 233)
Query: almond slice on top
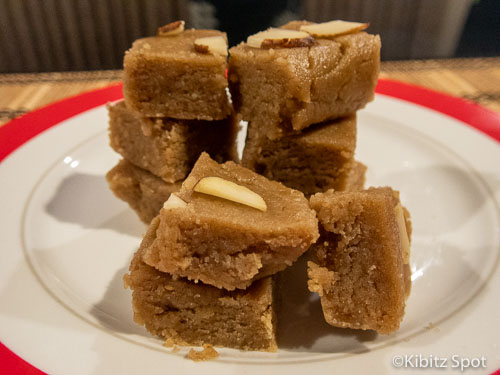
(215, 45)
(174, 202)
(172, 28)
(280, 38)
(231, 191)
(333, 28)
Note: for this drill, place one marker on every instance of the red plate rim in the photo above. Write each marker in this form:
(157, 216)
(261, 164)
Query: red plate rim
(20, 130)
(480, 118)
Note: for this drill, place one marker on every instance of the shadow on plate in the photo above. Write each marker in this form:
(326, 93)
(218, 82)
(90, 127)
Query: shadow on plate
(114, 310)
(86, 200)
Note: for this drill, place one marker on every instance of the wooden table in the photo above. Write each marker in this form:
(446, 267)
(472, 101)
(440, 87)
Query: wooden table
(473, 79)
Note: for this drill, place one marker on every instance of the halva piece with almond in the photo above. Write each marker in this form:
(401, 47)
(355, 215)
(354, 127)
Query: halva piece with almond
(285, 83)
(229, 226)
(168, 76)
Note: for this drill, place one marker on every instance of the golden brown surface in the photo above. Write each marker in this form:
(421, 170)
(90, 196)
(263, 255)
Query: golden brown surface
(189, 313)
(166, 77)
(359, 270)
(227, 244)
(279, 91)
(144, 192)
(167, 147)
(321, 157)
(355, 179)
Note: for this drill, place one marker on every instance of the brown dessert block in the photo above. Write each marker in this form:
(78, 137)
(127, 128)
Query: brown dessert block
(355, 179)
(228, 244)
(168, 147)
(188, 313)
(285, 90)
(319, 158)
(143, 191)
(362, 270)
(164, 76)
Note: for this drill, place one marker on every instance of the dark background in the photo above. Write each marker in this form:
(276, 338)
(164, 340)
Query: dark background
(65, 35)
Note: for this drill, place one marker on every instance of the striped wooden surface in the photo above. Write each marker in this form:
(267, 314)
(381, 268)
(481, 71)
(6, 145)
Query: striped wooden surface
(477, 80)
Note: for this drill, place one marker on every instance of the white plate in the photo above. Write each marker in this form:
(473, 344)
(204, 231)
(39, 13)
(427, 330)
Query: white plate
(67, 241)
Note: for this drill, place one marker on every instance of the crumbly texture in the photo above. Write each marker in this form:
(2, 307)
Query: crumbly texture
(166, 77)
(285, 90)
(227, 244)
(318, 159)
(144, 192)
(356, 177)
(208, 353)
(188, 313)
(360, 272)
(167, 147)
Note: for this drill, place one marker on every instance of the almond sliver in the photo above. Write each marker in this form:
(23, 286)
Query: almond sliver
(225, 189)
(333, 28)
